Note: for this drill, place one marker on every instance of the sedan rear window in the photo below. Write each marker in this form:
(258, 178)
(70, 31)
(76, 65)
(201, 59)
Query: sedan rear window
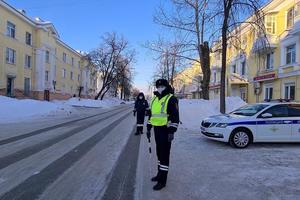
(294, 110)
(249, 110)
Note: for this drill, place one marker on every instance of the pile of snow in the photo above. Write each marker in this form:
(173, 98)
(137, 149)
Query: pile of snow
(193, 111)
(105, 103)
(13, 110)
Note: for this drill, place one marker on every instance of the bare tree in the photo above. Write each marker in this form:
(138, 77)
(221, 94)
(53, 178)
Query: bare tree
(191, 20)
(113, 55)
(169, 61)
(135, 92)
(232, 14)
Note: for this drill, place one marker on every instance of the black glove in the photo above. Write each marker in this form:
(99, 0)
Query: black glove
(148, 134)
(134, 113)
(147, 113)
(170, 137)
(172, 129)
(149, 127)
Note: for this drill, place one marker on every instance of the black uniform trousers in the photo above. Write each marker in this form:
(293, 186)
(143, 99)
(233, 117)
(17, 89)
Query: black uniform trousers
(140, 118)
(163, 147)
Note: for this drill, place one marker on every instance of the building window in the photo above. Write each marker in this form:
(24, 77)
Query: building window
(26, 86)
(10, 56)
(270, 23)
(72, 61)
(290, 18)
(28, 38)
(64, 73)
(78, 77)
(233, 68)
(11, 30)
(269, 61)
(64, 57)
(47, 56)
(289, 91)
(27, 61)
(71, 75)
(243, 70)
(46, 75)
(268, 92)
(291, 54)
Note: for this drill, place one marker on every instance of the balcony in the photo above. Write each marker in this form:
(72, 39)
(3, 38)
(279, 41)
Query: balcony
(263, 44)
(237, 79)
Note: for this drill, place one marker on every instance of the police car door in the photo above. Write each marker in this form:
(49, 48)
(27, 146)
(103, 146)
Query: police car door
(274, 124)
(294, 113)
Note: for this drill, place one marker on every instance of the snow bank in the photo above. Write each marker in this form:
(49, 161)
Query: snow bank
(106, 103)
(193, 111)
(13, 110)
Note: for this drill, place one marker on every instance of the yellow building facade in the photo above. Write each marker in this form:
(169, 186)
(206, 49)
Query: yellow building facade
(187, 83)
(36, 63)
(263, 68)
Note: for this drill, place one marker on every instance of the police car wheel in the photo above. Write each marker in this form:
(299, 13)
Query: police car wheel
(240, 139)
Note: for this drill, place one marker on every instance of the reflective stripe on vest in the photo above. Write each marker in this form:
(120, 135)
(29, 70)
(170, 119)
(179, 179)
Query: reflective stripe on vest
(159, 116)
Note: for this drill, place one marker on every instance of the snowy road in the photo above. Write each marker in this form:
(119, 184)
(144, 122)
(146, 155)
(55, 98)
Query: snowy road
(95, 155)
(69, 159)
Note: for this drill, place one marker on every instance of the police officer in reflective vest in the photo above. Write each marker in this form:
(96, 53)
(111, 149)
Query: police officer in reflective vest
(164, 118)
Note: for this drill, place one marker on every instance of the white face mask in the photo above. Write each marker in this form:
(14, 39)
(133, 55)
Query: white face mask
(160, 89)
(140, 97)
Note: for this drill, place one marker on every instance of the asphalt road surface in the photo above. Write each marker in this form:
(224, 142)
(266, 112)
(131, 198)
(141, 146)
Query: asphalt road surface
(91, 157)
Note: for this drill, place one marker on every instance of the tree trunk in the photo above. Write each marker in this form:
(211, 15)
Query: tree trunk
(205, 66)
(102, 96)
(100, 92)
(227, 7)
(173, 70)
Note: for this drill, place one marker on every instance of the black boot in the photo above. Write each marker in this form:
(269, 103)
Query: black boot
(159, 186)
(141, 130)
(138, 131)
(155, 178)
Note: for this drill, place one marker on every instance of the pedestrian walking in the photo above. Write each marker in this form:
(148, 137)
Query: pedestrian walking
(140, 108)
(164, 118)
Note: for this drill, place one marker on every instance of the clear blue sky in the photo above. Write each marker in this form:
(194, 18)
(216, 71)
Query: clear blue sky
(81, 23)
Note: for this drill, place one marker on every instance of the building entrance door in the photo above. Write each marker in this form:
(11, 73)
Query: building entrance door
(10, 87)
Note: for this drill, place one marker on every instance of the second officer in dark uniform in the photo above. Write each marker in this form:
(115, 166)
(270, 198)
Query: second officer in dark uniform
(140, 108)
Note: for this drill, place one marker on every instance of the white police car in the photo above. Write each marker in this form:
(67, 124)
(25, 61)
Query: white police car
(261, 122)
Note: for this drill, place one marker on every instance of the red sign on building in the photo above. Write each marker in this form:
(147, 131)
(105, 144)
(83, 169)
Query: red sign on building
(211, 87)
(265, 77)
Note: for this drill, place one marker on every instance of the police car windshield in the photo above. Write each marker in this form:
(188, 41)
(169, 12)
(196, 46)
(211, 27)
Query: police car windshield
(249, 110)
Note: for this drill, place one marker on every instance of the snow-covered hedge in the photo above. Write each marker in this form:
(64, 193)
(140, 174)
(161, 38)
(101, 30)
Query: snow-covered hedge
(13, 110)
(193, 111)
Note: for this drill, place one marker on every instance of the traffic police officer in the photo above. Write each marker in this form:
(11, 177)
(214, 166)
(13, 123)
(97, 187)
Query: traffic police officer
(140, 107)
(164, 117)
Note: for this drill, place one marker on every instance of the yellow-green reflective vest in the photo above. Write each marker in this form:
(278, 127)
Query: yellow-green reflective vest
(159, 116)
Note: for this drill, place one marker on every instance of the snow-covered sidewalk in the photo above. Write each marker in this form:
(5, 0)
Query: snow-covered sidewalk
(91, 103)
(15, 110)
(205, 169)
(210, 170)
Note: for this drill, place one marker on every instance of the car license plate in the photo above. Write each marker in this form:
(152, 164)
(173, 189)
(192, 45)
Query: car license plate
(203, 129)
